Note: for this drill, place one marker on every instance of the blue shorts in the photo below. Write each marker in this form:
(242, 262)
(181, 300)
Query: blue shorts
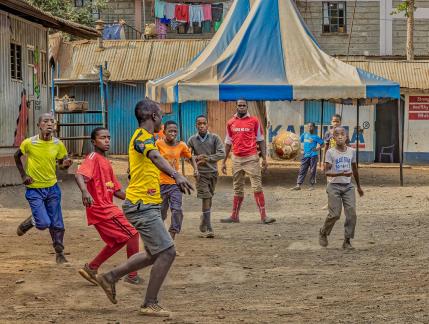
(45, 204)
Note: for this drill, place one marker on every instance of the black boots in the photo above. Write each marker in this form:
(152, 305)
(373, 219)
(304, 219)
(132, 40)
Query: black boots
(57, 236)
(25, 226)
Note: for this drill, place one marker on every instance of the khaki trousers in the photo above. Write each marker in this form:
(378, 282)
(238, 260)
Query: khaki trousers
(242, 166)
(339, 195)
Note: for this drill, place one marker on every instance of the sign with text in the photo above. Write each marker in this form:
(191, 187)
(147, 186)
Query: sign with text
(418, 108)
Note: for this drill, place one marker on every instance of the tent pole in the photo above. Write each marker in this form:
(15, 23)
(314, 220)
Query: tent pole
(321, 129)
(179, 111)
(401, 143)
(357, 133)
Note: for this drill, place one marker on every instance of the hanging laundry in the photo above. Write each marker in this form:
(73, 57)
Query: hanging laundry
(159, 8)
(174, 24)
(181, 13)
(196, 14)
(165, 21)
(226, 6)
(169, 10)
(207, 12)
(161, 29)
(217, 25)
(112, 31)
(207, 26)
(217, 11)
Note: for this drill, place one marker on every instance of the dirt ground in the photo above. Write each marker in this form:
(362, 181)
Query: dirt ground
(249, 273)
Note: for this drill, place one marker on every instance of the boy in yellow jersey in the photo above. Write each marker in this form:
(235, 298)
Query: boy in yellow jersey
(142, 208)
(43, 193)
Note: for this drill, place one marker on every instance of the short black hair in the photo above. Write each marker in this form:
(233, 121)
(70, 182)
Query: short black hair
(95, 131)
(201, 116)
(43, 115)
(312, 124)
(337, 116)
(144, 109)
(169, 122)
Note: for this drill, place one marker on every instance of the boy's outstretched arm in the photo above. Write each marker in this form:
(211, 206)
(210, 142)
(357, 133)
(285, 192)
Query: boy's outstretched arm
(86, 197)
(356, 176)
(120, 194)
(193, 162)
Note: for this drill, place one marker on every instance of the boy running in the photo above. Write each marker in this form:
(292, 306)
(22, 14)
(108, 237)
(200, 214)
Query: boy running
(340, 165)
(98, 184)
(312, 145)
(43, 193)
(142, 208)
(173, 150)
(208, 149)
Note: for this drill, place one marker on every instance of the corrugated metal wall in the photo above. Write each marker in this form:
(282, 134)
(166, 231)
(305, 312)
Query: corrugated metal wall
(20, 32)
(313, 109)
(121, 119)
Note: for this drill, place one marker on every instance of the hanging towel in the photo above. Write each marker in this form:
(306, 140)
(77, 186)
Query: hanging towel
(159, 9)
(196, 14)
(207, 28)
(161, 29)
(207, 11)
(217, 11)
(174, 24)
(217, 25)
(169, 10)
(181, 13)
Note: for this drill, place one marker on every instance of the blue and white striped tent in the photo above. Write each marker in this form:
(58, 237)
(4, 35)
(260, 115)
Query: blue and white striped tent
(264, 51)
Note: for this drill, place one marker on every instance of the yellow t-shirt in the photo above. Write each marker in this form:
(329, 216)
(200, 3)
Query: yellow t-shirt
(144, 182)
(42, 159)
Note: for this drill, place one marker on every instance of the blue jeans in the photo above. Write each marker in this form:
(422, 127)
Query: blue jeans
(45, 204)
(306, 163)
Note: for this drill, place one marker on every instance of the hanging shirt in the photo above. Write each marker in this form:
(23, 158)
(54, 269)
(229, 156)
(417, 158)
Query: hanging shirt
(159, 9)
(242, 134)
(169, 10)
(217, 11)
(207, 12)
(196, 14)
(181, 13)
(101, 184)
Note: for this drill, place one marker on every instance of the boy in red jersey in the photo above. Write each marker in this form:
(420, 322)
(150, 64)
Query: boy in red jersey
(243, 136)
(98, 184)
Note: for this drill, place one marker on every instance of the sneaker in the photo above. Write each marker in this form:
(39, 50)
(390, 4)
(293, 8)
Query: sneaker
(25, 226)
(210, 233)
(296, 188)
(109, 288)
(323, 239)
(89, 274)
(268, 220)
(347, 245)
(136, 280)
(230, 220)
(203, 226)
(60, 258)
(325, 207)
(154, 310)
(311, 187)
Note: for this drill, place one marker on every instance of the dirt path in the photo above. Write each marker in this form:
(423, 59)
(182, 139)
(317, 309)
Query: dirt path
(249, 273)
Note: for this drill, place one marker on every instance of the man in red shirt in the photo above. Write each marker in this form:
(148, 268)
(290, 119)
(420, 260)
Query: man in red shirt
(243, 135)
(98, 184)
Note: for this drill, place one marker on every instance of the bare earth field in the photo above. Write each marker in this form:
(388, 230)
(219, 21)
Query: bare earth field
(249, 273)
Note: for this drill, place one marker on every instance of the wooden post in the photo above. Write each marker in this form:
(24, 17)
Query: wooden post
(357, 133)
(179, 108)
(401, 143)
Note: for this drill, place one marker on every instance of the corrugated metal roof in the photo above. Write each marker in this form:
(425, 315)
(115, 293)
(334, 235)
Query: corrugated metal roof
(409, 74)
(131, 60)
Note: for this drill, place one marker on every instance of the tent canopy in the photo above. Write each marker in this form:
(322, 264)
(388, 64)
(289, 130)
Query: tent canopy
(264, 51)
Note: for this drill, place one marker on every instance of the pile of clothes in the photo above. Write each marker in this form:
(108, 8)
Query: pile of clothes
(188, 18)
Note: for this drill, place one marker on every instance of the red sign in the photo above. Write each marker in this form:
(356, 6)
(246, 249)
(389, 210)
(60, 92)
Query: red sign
(418, 108)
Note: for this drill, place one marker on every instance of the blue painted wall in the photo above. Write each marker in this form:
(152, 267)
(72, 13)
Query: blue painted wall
(312, 112)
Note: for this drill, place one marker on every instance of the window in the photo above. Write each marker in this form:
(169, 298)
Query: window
(334, 17)
(16, 61)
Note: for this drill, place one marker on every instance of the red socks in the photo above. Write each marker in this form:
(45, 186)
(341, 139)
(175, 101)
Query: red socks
(236, 207)
(260, 201)
(133, 248)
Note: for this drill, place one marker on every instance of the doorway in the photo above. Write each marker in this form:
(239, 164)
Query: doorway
(387, 133)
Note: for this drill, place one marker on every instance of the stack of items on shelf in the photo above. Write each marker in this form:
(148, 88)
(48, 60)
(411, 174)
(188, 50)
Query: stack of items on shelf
(69, 104)
(185, 18)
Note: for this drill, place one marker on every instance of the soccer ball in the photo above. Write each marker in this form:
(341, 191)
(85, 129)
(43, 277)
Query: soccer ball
(286, 146)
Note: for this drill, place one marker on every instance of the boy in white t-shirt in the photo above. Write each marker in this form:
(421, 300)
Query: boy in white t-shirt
(340, 165)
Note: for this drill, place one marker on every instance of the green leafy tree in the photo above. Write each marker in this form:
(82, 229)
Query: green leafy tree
(408, 7)
(85, 15)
